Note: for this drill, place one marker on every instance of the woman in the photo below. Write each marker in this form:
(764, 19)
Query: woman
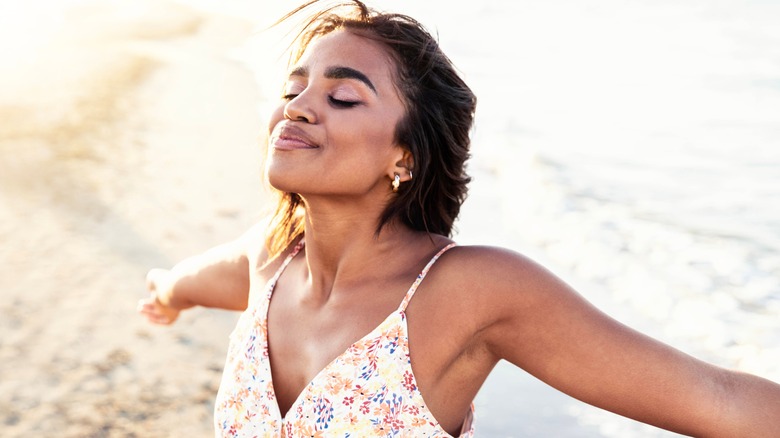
(362, 318)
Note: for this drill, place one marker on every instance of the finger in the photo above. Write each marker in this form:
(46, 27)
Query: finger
(156, 317)
(148, 310)
(160, 319)
(149, 302)
(148, 307)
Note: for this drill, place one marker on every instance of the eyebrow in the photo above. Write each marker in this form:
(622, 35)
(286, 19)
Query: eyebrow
(338, 72)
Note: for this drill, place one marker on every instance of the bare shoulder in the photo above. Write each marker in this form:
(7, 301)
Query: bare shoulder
(262, 264)
(494, 271)
(491, 284)
(253, 244)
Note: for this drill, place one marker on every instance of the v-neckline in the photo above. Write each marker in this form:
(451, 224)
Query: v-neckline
(372, 333)
(271, 288)
(399, 312)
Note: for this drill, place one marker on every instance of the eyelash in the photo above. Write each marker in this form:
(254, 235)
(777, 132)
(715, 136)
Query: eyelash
(335, 102)
(342, 103)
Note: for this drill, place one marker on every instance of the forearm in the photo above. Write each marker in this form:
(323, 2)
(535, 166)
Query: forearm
(749, 407)
(217, 278)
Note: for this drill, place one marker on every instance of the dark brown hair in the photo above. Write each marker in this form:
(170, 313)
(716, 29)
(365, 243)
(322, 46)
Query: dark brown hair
(435, 130)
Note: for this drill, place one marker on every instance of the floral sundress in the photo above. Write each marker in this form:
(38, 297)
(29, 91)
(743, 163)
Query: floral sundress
(367, 391)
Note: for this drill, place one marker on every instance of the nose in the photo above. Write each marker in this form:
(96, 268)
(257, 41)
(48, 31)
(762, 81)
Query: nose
(299, 109)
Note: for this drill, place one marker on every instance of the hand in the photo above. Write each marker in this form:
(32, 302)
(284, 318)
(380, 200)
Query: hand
(156, 307)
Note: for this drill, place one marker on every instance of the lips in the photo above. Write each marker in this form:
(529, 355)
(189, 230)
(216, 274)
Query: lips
(290, 137)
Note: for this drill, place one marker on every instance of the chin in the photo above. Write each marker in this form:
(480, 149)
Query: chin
(278, 176)
(287, 182)
(280, 183)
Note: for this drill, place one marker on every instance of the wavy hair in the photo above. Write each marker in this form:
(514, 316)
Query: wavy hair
(435, 129)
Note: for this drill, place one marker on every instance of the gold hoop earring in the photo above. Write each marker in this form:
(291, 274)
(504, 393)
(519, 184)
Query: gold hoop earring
(396, 182)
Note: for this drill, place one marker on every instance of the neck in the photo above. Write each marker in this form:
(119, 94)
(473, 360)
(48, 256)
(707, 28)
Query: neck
(342, 244)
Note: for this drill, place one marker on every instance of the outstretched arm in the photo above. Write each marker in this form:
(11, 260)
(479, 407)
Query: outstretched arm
(546, 328)
(216, 278)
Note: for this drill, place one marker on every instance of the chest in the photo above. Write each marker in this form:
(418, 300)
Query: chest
(289, 358)
(304, 339)
(368, 390)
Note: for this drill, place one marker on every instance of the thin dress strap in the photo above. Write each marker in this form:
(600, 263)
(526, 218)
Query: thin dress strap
(421, 277)
(272, 283)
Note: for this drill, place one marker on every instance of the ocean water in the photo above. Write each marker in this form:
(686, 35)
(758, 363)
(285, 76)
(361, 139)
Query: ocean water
(634, 148)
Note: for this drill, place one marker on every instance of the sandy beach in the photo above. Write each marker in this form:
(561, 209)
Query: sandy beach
(129, 139)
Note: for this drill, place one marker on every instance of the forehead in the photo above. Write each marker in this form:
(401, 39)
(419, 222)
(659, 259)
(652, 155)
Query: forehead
(344, 48)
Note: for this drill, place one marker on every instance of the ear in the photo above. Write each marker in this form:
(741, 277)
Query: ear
(404, 165)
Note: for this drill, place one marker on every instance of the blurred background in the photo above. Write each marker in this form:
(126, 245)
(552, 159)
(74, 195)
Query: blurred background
(631, 147)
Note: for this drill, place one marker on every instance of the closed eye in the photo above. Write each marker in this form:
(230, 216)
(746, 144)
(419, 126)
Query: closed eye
(333, 101)
(342, 103)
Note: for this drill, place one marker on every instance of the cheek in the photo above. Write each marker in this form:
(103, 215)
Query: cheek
(383, 137)
(366, 148)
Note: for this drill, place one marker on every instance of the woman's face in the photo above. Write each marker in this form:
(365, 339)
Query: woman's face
(334, 131)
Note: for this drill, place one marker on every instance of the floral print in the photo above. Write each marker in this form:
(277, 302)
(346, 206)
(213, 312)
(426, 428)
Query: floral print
(368, 391)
